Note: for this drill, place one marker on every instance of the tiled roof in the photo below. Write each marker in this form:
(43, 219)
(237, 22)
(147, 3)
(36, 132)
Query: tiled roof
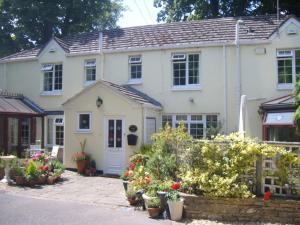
(124, 90)
(11, 103)
(133, 94)
(160, 35)
(284, 102)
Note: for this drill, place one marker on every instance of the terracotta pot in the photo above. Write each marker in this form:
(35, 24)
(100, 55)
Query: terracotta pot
(153, 212)
(51, 180)
(20, 180)
(42, 179)
(132, 200)
(81, 165)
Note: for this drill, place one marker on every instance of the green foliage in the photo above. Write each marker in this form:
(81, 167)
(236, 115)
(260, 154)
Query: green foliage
(54, 164)
(31, 171)
(168, 146)
(225, 166)
(198, 9)
(25, 23)
(153, 203)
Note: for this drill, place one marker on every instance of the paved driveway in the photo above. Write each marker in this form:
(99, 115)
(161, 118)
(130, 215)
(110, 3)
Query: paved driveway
(76, 200)
(76, 188)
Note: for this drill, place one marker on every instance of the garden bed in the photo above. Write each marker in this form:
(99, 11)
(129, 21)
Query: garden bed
(243, 210)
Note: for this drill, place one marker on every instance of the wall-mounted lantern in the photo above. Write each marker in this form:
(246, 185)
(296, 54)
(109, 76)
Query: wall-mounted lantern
(99, 102)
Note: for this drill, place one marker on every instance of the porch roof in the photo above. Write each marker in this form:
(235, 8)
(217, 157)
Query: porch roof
(17, 104)
(284, 102)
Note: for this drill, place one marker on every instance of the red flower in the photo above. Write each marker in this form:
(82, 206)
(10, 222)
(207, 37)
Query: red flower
(147, 179)
(267, 195)
(126, 173)
(132, 166)
(130, 173)
(45, 168)
(139, 160)
(175, 186)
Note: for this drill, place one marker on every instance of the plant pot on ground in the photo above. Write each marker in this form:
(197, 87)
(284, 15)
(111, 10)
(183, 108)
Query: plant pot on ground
(153, 207)
(81, 158)
(51, 180)
(131, 197)
(19, 175)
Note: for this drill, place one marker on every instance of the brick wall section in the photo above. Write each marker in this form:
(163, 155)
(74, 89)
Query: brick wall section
(244, 210)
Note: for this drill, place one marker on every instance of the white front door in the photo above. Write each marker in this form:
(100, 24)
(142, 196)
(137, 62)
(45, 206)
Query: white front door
(114, 146)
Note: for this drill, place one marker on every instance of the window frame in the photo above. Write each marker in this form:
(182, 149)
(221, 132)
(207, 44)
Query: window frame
(50, 68)
(189, 121)
(78, 129)
(90, 67)
(185, 59)
(54, 125)
(135, 63)
(281, 57)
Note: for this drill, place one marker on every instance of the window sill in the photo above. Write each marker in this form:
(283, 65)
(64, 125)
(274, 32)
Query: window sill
(83, 131)
(187, 88)
(88, 83)
(284, 86)
(51, 93)
(135, 81)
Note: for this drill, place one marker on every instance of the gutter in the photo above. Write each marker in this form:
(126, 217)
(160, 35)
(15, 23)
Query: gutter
(101, 55)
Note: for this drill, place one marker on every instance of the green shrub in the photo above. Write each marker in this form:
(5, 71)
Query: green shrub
(153, 203)
(31, 171)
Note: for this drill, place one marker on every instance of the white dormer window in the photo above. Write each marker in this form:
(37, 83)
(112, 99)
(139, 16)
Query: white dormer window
(135, 69)
(90, 71)
(288, 68)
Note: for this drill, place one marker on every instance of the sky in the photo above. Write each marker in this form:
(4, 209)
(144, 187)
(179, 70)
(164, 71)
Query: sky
(139, 12)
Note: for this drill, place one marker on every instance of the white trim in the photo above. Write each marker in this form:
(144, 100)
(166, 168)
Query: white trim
(284, 26)
(96, 52)
(53, 117)
(190, 87)
(78, 130)
(286, 86)
(51, 93)
(105, 142)
(138, 61)
(187, 86)
(135, 81)
(225, 89)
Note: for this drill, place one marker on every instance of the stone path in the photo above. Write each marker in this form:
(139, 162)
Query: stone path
(88, 190)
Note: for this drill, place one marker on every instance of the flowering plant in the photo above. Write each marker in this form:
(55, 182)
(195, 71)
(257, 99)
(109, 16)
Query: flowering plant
(41, 157)
(173, 195)
(267, 196)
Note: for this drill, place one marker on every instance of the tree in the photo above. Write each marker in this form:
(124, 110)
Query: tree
(180, 10)
(26, 23)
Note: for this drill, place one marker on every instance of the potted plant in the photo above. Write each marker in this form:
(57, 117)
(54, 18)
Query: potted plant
(93, 167)
(126, 176)
(51, 179)
(175, 203)
(20, 176)
(32, 173)
(81, 158)
(131, 197)
(153, 207)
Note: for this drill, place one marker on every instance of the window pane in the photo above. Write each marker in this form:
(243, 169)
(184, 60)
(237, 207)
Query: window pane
(166, 119)
(48, 78)
(25, 131)
(285, 71)
(181, 117)
(50, 131)
(59, 135)
(58, 77)
(179, 73)
(136, 71)
(196, 130)
(90, 73)
(119, 133)
(84, 121)
(194, 69)
(111, 133)
(211, 121)
(196, 117)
